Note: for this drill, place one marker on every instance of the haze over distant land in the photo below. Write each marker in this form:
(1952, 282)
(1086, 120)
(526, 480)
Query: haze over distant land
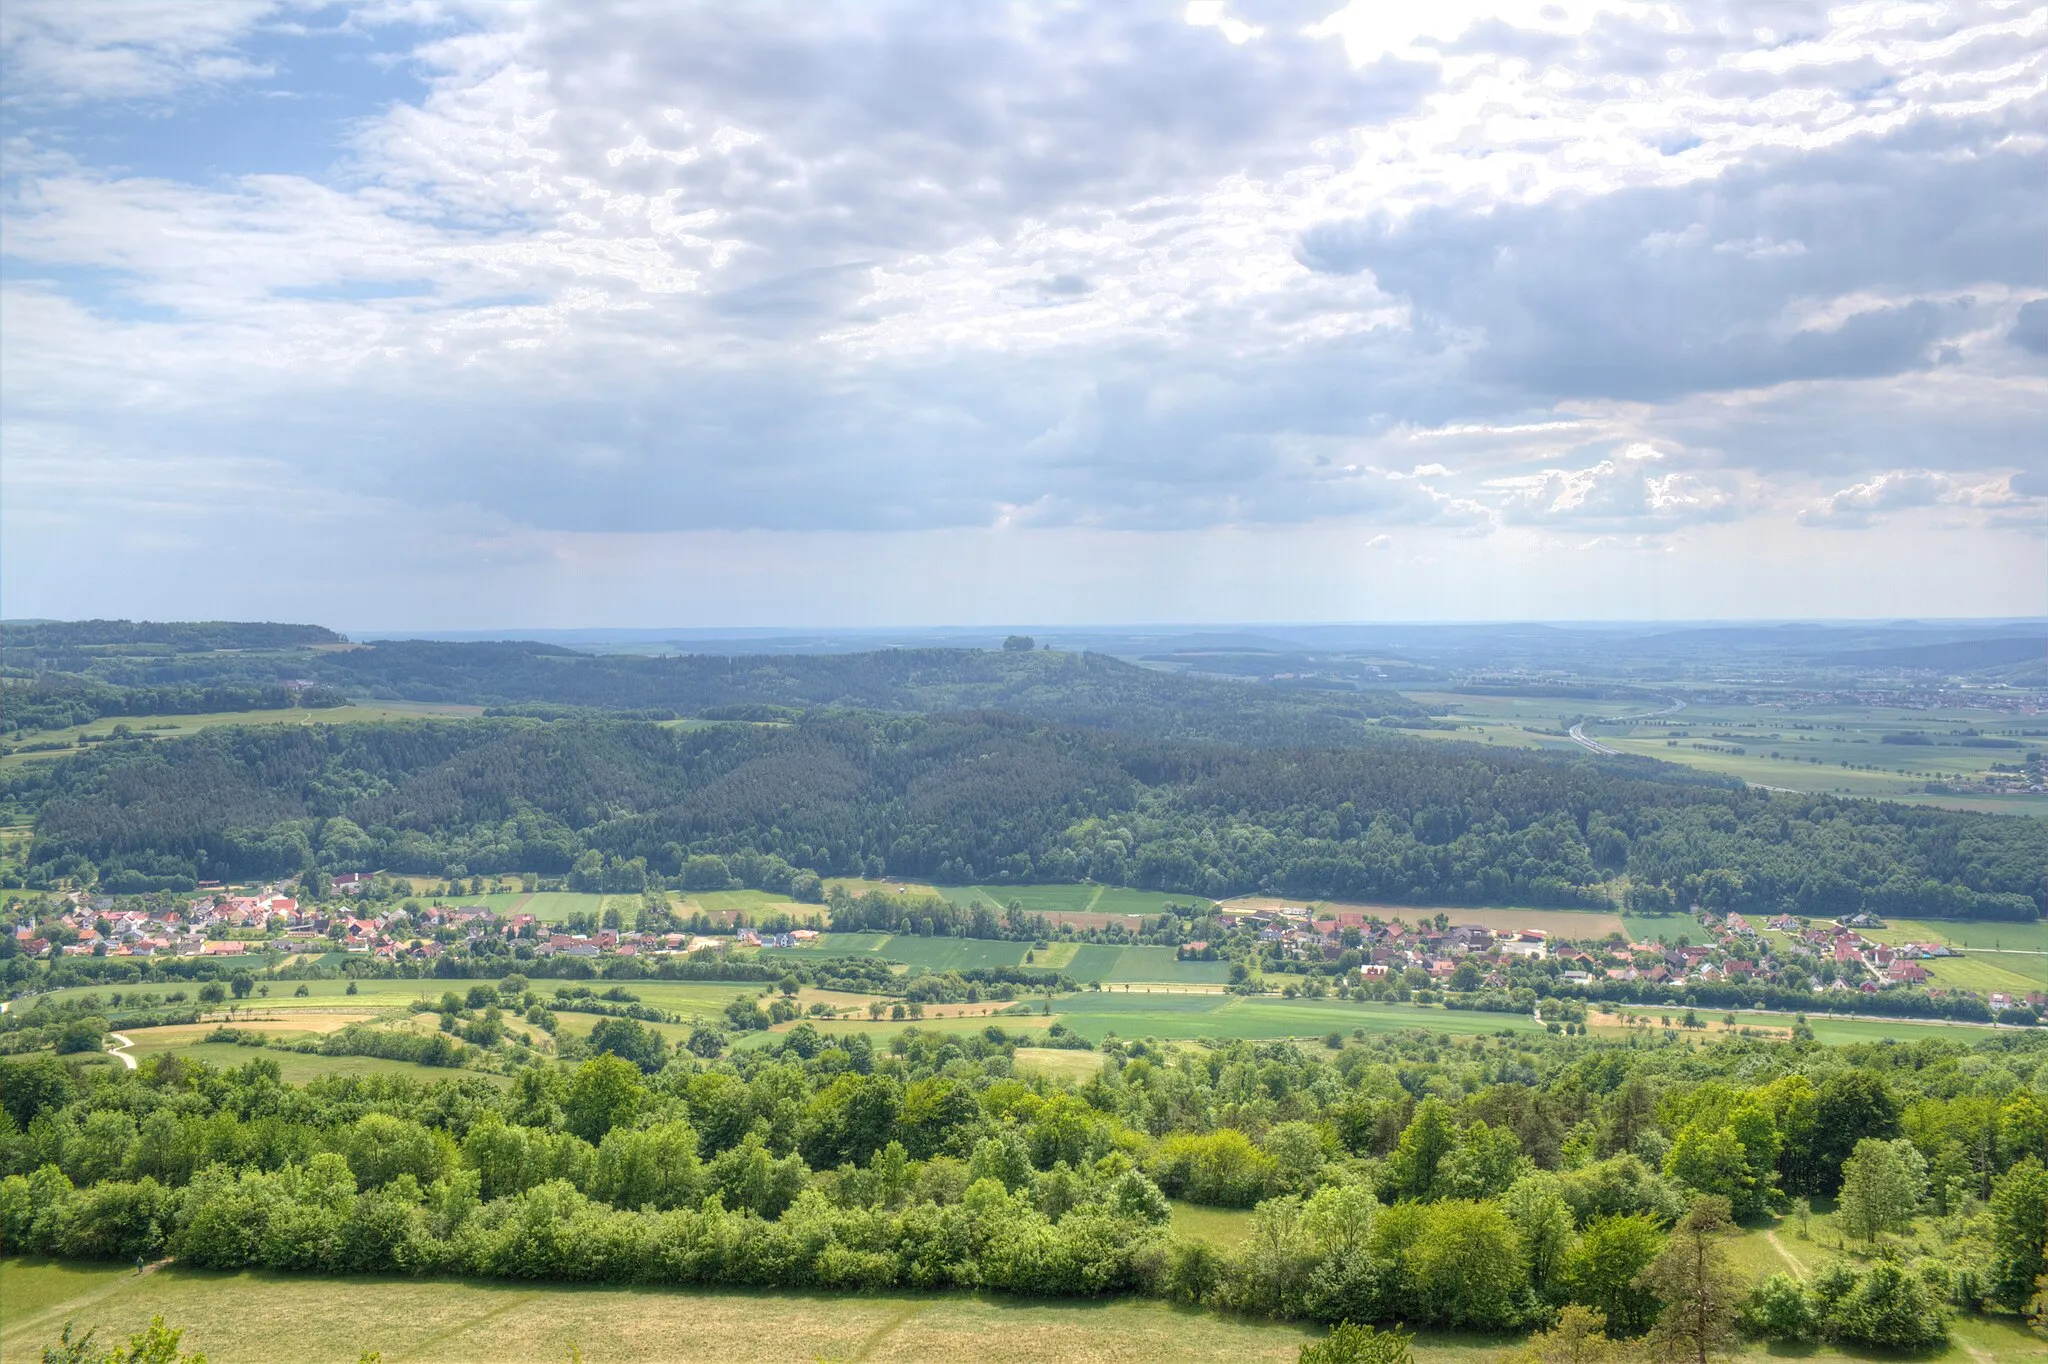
(445, 315)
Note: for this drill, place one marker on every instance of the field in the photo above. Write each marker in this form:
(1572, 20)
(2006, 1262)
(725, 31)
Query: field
(178, 726)
(1787, 740)
(254, 1318)
(264, 1317)
(1182, 1016)
(1072, 899)
(1058, 1063)
(1082, 961)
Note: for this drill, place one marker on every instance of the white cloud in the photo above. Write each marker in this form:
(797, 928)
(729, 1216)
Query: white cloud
(1854, 507)
(1605, 268)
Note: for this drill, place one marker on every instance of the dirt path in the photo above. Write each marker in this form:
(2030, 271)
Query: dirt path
(1798, 1270)
(119, 1050)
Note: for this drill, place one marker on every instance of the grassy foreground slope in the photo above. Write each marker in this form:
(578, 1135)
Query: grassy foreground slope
(257, 1318)
(254, 1318)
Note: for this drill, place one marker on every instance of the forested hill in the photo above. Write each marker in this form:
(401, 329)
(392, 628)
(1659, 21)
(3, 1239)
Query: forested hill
(1075, 688)
(53, 641)
(968, 798)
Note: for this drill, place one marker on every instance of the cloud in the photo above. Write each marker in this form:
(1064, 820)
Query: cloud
(624, 270)
(1629, 488)
(2030, 327)
(59, 52)
(1856, 506)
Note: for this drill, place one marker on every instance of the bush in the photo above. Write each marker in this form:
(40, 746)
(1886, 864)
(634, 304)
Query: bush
(1348, 1343)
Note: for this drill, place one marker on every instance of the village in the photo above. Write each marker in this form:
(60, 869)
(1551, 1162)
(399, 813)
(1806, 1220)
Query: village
(1832, 956)
(269, 920)
(1381, 955)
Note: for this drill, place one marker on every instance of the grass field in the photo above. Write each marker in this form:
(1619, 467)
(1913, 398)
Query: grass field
(1670, 927)
(178, 726)
(1173, 1017)
(1058, 1063)
(255, 1318)
(1222, 1227)
(1082, 961)
(1071, 898)
(258, 1318)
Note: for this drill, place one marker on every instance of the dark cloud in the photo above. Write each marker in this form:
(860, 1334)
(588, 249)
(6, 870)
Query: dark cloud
(1658, 292)
(2030, 328)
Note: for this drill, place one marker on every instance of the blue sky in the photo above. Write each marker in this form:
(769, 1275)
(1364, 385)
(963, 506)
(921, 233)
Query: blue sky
(487, 314)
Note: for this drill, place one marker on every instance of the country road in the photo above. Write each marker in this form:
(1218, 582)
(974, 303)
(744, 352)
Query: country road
(1578, 731)
(119, 1050)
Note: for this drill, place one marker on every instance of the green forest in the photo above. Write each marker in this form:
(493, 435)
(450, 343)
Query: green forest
(988, 798)
(1489, 1183)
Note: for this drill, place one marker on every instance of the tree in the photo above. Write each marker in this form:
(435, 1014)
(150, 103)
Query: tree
(1544, 1220)
(1605, 1272)
(1019, 644)
(1885, 1307)
(1578, 1338)
(241, 984)
(631, 1039)
(213, 992)
(605, 1093)
(2019, 1232)
(1882, 1186)
(1710, 1160)
(1700, 1292)
(1852, 1105)
(1428, 1138)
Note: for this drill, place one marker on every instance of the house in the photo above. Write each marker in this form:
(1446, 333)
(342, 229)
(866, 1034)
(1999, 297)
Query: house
(1526, 944)
(224, 948)
(1911, 972)
(1373, 970)
(1784, 923)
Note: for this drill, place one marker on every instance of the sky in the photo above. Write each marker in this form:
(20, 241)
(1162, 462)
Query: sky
(435, 315)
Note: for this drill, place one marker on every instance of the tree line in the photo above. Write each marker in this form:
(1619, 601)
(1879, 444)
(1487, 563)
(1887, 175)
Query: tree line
(1489, 1183)
(988, 799)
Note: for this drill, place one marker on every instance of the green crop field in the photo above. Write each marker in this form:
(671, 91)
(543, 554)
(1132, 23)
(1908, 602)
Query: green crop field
(2023, 937)
(2009, 972)
(555, 906)
(1670, 927)
(953, 954)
